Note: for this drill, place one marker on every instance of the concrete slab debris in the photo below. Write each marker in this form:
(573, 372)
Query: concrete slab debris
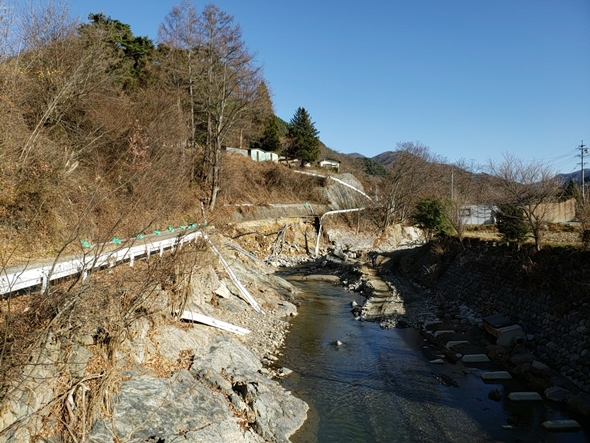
(475, 358)
(525, 396)
(496, 375)
(453, 343)
(561, 425)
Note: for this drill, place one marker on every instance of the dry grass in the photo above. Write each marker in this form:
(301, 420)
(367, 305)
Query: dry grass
(107, 308)
(260, 183)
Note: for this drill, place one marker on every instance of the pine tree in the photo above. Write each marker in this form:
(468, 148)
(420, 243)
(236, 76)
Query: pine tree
(512, 224)
(429, 216)
(303, 137)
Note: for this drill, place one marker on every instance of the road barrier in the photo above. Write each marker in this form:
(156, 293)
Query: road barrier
(26, 276)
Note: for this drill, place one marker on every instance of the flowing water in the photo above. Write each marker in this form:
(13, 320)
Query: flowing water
(378, 387)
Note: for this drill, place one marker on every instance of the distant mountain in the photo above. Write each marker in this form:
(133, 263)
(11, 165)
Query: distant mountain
(574, 176)
(356, 155)
(386, 158)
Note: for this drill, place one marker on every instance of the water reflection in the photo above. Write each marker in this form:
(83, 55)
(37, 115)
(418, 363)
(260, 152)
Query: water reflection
(378, 387)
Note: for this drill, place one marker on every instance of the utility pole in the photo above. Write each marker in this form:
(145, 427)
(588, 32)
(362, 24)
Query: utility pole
(452, 182)
(583, 150)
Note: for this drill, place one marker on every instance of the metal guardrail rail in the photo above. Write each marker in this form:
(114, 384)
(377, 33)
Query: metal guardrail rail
(21, 277)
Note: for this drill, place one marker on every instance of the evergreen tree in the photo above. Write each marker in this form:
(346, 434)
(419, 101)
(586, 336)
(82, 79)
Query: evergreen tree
(430, 216)
(303, 137)
(271, 137)
(571, 190)
(512, 224)
(133, 53)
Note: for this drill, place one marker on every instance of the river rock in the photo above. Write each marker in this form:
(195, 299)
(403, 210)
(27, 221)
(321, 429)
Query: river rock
(558, 394)
(519, 359)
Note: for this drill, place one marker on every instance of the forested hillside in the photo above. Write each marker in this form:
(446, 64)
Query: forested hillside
(103, 131)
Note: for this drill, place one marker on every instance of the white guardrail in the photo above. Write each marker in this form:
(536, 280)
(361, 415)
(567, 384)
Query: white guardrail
(27, 276)
(337, 180)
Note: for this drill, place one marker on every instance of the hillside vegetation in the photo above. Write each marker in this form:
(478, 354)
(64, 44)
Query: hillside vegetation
(104, 133)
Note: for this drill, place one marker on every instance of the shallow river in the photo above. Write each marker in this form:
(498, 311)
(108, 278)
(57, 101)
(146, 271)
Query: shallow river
(378, 386)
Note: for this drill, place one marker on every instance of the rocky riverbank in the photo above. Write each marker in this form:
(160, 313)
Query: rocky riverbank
(163, 378)
(225, 391)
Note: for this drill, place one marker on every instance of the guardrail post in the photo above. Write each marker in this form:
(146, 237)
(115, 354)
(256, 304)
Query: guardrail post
(44, 282)
(161, 250)
(149, 251)
(131, 260)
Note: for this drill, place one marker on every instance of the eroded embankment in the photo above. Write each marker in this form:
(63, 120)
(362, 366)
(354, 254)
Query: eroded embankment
(116, 364)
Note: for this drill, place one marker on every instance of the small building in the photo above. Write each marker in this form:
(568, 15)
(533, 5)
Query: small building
(478, 214)
(258, 155)
(330, 164)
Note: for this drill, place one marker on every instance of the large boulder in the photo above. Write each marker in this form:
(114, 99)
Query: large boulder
(229, 365)
(165, 409)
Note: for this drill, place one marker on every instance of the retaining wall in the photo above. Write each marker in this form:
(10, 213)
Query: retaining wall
(492, 283)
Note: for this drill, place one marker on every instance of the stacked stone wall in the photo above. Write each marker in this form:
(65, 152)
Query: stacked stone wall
(558, 327)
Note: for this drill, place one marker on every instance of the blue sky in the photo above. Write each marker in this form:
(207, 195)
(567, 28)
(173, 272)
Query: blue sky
(469, 78)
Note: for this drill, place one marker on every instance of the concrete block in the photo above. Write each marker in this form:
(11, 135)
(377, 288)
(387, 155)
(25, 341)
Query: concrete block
(507, 335)
(561, 425)
(496, 375)
(510, 335)
(453, 343)
(475, 358)
(525, 396)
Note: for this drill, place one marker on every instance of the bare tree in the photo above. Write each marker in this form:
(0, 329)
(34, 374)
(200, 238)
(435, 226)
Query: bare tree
(529, 186)
(6, 24)
(180, 33)
(411, 176)
(42, 23)
(219, 74)
(230, 87)
(464, 191)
